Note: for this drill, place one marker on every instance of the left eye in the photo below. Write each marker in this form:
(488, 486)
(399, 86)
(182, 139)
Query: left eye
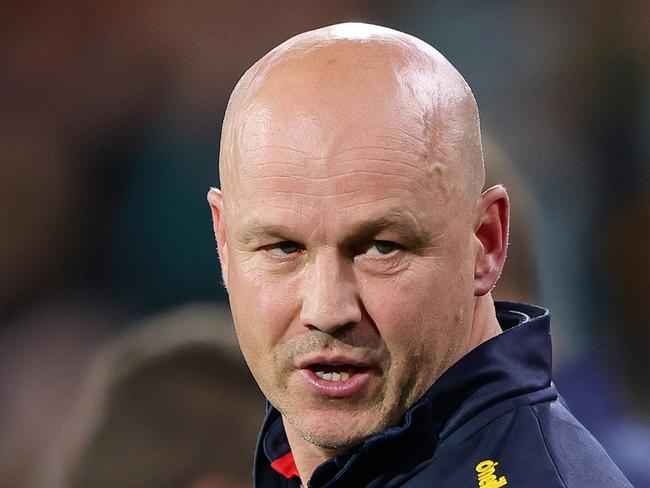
(380, 248)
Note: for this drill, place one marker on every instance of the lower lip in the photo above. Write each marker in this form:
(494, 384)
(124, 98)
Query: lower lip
(336, 389)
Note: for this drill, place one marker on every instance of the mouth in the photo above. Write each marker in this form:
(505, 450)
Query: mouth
(335, 377)
(335, 372)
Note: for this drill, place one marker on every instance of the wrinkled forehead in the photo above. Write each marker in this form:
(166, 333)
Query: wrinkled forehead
(344, 96)
(324, 130)
(299, 164)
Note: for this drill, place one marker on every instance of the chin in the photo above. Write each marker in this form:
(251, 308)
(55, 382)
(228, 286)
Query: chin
(335, 441)
(333, 432)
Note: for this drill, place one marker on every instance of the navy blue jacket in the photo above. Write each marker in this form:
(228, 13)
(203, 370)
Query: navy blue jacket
(493, 419)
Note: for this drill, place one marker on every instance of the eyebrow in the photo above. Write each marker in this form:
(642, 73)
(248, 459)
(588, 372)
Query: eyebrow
(394, 220)
(254, 230)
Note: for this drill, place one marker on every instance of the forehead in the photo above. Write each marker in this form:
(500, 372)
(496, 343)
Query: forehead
(345, 127)
(297, 172)
(316, 97)
(314, 118)
(312, 140)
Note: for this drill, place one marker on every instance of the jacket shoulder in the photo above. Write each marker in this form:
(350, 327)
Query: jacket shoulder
(536, 446)
(578, 457)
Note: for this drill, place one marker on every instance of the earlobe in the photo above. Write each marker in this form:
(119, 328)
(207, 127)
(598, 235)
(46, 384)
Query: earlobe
(491, 232)
(215, 199)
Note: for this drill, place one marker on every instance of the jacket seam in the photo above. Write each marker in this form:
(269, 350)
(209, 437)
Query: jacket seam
(548, 451)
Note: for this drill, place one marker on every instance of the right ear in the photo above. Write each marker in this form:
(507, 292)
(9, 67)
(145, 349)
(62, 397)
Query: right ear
(215, 199)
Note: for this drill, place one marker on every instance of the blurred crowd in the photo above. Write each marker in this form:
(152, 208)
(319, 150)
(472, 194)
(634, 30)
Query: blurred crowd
(110, 116)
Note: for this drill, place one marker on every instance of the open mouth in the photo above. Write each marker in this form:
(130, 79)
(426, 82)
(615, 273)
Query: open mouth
(336, 377)
(334, 372)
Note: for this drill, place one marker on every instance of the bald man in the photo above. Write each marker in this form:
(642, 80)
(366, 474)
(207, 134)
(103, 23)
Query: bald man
(359, 251)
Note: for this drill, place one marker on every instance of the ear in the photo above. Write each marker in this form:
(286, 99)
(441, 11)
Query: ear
(215, 199)
(491, 232)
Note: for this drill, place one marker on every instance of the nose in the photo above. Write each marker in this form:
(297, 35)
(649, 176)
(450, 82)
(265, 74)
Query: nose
(330, 296)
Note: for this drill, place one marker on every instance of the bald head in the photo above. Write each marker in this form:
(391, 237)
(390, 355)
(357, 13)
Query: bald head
(327, 87)
(351, 225)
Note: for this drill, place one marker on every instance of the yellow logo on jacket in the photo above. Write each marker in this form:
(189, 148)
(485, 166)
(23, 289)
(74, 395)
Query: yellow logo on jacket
(487, 477)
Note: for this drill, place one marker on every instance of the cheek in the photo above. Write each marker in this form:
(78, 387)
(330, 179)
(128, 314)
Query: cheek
(397, 306)
(429, 287)
(263, 313)
(420, 313)
(263, 307)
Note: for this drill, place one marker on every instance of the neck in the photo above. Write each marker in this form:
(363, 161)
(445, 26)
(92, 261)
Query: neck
(306, 455)
(484, 322)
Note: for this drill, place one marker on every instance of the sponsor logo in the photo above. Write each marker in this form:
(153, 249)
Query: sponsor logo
(487, 477)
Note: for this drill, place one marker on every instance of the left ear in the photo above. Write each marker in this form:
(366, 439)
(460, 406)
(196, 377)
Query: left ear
(491, 232)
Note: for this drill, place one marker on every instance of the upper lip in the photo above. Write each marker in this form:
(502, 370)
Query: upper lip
(333, 360)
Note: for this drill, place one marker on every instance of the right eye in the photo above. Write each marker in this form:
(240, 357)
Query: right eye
(381, 248)
(283, 249)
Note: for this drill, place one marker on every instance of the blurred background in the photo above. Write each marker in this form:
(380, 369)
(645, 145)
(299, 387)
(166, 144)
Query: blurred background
(110, 114)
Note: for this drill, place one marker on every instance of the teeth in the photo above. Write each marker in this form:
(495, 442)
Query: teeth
(344, 376)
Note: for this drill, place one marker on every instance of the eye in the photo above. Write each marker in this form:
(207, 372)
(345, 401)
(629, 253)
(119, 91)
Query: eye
(380, 248)
(283, 249)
